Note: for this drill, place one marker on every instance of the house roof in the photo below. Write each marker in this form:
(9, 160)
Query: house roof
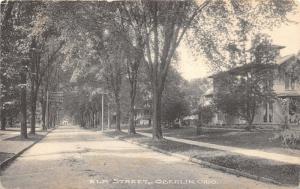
(292, 93)
(243, 68)
(278, 46)
(209, 92)
(284, 59)
(246, 67)
(272, 46)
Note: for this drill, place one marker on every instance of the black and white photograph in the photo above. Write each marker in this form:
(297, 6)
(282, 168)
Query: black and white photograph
(150, 94)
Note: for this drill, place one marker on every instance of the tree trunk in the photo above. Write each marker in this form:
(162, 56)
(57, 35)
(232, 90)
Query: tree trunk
(3, 120)
(156, 114)
(200, 124)
(250, 119)
(81, 119)
(23, 106)
(131, 126)
(97, 119)
(11, 121)
(108, 117)
(33, 112)
(118, 113)
(93, 114)
(43, 105)
(249, 126)
(33, 92)
(88, 119)
(132, 76)
(91, 118)
(54, 119)
(50, 118)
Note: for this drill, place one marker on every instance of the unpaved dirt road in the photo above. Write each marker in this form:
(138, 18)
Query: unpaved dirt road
(74, 158)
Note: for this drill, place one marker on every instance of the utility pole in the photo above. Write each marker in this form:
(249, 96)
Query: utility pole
(108, 116)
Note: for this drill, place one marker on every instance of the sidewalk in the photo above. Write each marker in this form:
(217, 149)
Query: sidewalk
(254, 153)
(12, 145)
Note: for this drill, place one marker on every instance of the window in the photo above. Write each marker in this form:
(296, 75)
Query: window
(293, 83)
(268, 116)
(287, 81)
(266, 113)
(270, 112)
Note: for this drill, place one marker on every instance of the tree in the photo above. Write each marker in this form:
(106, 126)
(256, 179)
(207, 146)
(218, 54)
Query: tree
(6, 29)
(27, 32)
(225, 97)
(225, 45)
(113, 71)
(141, 32)
(132, 24)
(174, 102)
(107, 47)
(16, 51)
(47, 41)
(124, 21)
(194, 89)
(165, 30)
(235, 24)
(240, 93)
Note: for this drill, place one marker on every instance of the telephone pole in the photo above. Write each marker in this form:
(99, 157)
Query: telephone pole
(108, 116)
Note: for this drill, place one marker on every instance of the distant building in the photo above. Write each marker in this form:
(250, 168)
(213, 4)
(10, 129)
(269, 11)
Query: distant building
(285, 85)
(142, 116)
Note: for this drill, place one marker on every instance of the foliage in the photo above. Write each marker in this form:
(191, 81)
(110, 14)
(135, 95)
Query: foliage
(98, 42)
(235, 23)
(288, 137)
(226, 96)
(174, 103)
(194, 89)
(206, 113)
(242, 91)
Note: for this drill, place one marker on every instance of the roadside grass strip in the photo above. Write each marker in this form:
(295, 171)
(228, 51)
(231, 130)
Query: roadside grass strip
(233, 163)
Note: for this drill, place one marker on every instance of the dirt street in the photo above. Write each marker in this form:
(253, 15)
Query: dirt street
(74, 158)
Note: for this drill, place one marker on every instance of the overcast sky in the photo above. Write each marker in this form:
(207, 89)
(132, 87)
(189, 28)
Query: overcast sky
(287, 35)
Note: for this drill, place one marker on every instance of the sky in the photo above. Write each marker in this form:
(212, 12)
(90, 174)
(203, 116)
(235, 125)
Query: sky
(191, 67)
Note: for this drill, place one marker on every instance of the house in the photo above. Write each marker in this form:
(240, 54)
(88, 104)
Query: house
(142, 116)
(286, 86)
(142, 113)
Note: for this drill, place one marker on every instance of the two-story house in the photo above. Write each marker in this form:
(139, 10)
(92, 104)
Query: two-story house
(286, 85)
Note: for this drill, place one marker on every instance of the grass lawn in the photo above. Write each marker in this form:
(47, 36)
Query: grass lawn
(4, 156)
(280, 172)
(257, 139)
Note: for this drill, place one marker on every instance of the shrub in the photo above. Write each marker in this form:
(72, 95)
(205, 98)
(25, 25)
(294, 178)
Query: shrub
(288, 137)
